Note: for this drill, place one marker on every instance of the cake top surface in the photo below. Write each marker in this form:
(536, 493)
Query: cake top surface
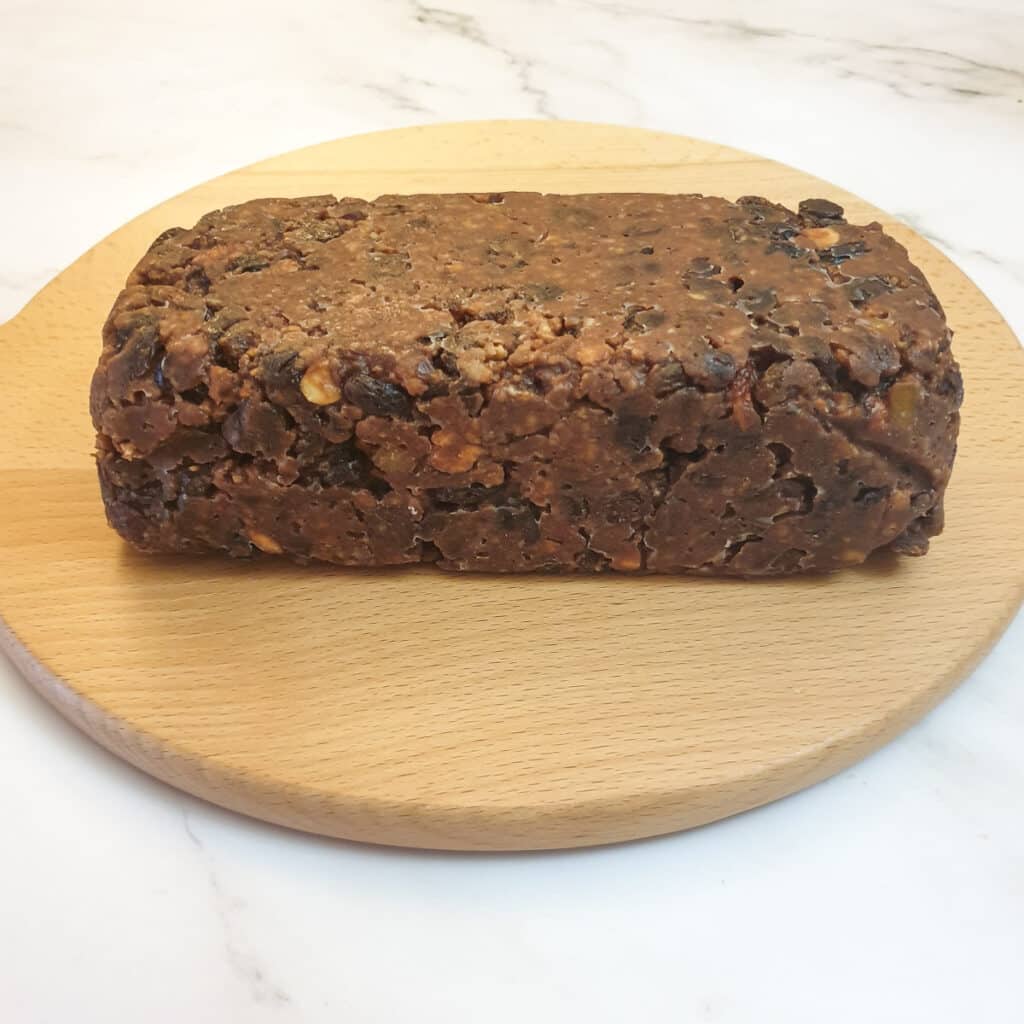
(504, 286)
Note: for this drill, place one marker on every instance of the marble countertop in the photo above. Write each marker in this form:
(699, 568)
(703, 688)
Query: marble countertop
(892, 892)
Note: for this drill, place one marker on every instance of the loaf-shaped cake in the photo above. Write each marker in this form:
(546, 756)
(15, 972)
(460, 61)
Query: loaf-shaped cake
(517, 382)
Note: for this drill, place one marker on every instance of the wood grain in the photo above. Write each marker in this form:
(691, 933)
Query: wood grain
(415, 708)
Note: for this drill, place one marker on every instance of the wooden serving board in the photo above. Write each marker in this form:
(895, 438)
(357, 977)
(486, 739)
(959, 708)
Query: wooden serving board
(423, 709)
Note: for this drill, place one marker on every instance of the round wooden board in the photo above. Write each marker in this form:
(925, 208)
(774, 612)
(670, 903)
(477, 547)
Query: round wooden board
(423, 709)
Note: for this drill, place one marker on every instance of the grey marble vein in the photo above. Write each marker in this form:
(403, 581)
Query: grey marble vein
(950, 74)
(245, 966)
(467, 27)
(961, 251)
(399, 97)
(528, 71)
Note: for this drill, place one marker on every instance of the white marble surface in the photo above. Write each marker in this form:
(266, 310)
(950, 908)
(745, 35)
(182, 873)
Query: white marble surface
(894, 892)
